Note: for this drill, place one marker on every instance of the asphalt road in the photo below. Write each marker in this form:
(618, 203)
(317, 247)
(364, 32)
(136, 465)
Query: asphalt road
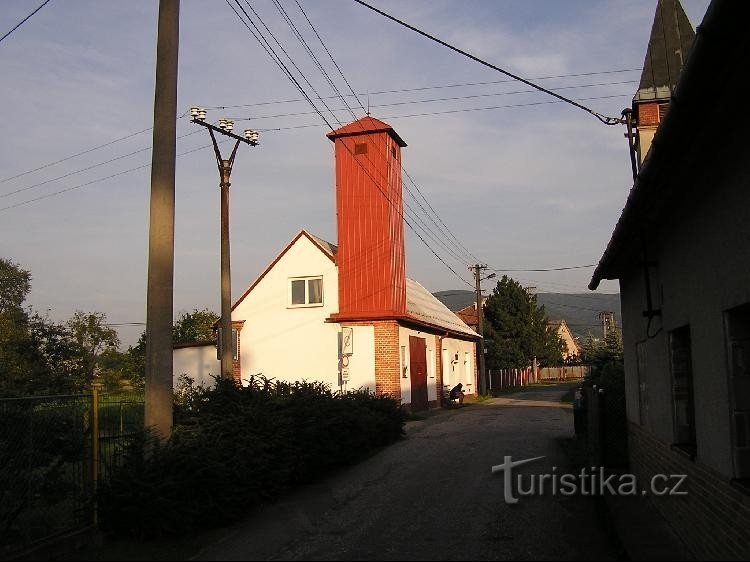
(432, 496)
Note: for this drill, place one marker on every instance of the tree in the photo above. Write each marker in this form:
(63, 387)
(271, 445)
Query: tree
(516, 329)
(15, 284)
(92, 337)
(196, 326)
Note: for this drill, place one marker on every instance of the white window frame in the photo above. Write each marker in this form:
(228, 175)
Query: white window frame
(307, 303)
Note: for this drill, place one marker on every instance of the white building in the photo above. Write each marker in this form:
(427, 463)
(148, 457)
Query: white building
(347, 315)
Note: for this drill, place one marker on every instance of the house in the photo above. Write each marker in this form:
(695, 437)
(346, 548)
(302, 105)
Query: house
(560, 327)
(681, 253)
(346, 314)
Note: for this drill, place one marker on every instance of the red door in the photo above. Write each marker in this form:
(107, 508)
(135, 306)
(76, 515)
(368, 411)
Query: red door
(418, 368)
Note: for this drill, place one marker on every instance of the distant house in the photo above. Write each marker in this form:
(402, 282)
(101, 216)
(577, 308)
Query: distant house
(560, 327)
(681, 251)
(346, 314)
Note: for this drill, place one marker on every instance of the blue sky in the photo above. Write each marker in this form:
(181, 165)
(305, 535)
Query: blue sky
(524, 187)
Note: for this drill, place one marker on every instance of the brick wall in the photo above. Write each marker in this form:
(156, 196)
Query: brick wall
(713, 519)
(387, 359)
(648, 114)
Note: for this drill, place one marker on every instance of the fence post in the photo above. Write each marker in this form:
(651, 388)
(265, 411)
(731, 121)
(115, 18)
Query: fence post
(95, 444)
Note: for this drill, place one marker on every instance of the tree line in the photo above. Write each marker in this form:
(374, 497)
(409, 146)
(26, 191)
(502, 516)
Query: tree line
(39, 356)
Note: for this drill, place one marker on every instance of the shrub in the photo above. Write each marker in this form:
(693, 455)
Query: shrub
(234, 447)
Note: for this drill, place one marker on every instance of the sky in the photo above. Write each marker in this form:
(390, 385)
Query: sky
(527, 187)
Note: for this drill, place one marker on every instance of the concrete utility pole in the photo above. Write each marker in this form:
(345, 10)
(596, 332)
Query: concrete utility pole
(477, 269)
(159, 298)
(226, 343)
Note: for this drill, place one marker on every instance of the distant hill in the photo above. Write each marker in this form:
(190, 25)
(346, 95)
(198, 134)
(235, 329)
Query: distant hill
(579, 310)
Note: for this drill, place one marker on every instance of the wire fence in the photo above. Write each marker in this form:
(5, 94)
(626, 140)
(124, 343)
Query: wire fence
(53, 451)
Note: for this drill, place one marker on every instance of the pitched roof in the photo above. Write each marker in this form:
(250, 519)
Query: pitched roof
(421, 305)
(468, 314)
(672, 36)
(365, 126)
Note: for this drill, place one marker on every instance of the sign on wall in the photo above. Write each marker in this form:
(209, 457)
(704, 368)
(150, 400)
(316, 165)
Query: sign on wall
(347, 341)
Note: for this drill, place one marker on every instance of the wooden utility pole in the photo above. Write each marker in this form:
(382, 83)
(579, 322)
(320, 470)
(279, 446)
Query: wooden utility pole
(226, 341)
(160, 295)
(477, 269)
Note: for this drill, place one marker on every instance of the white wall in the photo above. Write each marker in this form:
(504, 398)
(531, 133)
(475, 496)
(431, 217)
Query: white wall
(284, 342)
(462, 371)
(198, 362)
(362, 360)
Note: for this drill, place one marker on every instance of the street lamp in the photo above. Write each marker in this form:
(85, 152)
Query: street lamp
(250, 137)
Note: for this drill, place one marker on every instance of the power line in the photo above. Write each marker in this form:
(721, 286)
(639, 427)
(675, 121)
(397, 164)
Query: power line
(424, 88)
(87, 151)
(121, 173)
(377, 184)
(566, 268)
(450, 111)
(81, 170)
(20, 23)
(433, 100)
(603, 118)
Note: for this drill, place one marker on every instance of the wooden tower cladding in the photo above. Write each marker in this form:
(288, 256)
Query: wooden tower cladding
(369, 205)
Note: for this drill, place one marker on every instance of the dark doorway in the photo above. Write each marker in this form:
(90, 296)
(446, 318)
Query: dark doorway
(418, 367)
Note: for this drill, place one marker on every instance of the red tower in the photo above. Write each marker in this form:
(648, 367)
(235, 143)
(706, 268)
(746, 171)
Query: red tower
(369, 206)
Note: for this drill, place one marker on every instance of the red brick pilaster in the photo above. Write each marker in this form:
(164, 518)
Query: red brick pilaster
(387, 359)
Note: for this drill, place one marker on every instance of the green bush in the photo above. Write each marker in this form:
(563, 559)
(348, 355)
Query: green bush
(234, 447)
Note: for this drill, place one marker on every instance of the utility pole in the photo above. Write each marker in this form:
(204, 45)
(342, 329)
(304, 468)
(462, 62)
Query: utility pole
(160, 291)
(477, 269)
(226, 344)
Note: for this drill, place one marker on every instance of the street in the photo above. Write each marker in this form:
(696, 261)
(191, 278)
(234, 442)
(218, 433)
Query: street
(433, 496)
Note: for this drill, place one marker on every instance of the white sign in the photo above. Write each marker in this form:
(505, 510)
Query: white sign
(347, 341)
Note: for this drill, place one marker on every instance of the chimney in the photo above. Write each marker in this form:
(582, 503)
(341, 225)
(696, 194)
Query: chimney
(672, 36)
(369, 218)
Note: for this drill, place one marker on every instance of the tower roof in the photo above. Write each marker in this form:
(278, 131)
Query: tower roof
(366, 126)
(672, 36)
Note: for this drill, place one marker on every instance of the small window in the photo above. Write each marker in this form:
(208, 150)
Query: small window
(306, 291)
(682, 389)
(360, 148)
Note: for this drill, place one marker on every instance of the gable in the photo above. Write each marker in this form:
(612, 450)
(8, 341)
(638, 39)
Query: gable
(303, 247)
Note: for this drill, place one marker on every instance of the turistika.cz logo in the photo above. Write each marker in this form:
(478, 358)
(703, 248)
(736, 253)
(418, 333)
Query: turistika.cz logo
(588, 482)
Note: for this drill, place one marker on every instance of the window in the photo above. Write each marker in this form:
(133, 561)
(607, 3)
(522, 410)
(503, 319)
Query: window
(737, 322)
(306, 291)
(682, 389)
(360, 148)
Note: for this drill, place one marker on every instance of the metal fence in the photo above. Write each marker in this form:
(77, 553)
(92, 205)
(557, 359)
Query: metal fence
(53, 451)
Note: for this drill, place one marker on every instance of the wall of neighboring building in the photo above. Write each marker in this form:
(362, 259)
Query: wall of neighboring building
(286, 342)
(701, 272)
(462, 370)
(198, 362)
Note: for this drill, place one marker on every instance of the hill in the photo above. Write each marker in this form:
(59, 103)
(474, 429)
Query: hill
(579, 310)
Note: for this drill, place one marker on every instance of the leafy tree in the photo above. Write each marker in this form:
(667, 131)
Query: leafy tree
(194, 326)
(92, 337)
(516, 329)
(15, 284)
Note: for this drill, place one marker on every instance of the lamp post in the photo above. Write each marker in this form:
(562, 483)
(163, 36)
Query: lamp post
(250, 137)
(477, 269)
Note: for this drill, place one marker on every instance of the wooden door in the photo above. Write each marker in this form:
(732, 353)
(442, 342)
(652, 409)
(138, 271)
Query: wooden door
(418, 368)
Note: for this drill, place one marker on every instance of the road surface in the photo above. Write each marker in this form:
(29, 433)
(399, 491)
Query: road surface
(433, 496)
